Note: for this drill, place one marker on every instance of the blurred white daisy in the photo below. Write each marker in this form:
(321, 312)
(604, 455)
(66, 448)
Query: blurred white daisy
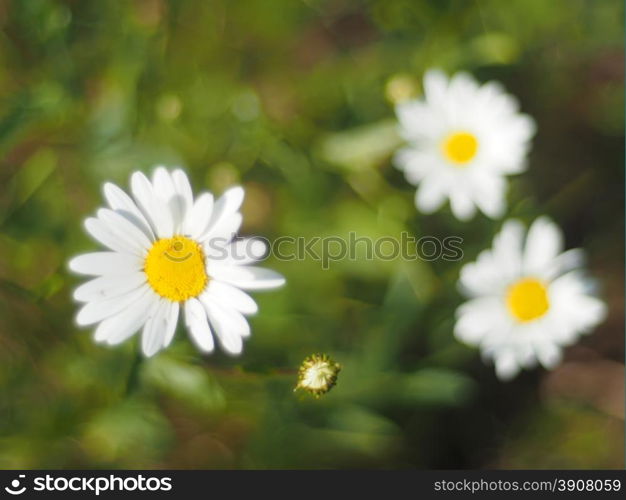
(170, 255)
(528, 298)
(462, 140)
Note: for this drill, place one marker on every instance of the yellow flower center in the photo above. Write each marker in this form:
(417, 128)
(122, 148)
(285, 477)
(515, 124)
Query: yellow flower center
(175, 268)
(460, 147)
(528, 299)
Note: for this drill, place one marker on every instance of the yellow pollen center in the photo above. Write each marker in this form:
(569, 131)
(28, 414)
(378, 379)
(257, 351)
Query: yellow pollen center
(460, 147)
(175, 268)
(527, 299)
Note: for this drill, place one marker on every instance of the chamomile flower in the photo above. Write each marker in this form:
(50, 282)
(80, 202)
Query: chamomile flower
(527, 298)
(170, 255)
(463, 139)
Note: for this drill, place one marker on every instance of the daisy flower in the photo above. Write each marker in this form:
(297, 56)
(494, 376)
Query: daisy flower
(462, 140)
(170, 255)
(527, 299)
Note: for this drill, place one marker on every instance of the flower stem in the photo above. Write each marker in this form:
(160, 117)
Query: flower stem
(132, 382)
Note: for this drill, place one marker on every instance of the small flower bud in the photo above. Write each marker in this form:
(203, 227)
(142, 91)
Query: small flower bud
(317, 374)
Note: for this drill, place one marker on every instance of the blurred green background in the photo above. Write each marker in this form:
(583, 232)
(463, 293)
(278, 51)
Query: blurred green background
(294, 99)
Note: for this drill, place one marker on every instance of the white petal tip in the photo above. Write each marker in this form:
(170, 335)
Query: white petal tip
(150, 353)
(233, 353)
(71, 265)
(236, 194)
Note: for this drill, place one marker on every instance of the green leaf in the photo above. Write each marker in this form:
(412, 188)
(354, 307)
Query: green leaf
(190, 384)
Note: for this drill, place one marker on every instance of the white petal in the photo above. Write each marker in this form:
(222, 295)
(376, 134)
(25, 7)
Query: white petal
(549, 355)
(526, 356)
(93, 312)
(108, 286)
(415, 163)
(223, 231)
(225, 206)
(239, 324)
(463, 87)
(154, 330)
(461, 204)
(506, 365)
(488, 194)
(507, 250)
(420, 123)
(198, 325)
(166, 190)
(485, 276)
(155, 211)
(594, 309)
(100, 232)
(101, 263)
(229, 202)
(227, 327)
(565, 262)
(230, 296)
(119, 201)
(248, 278)
(183, 188)
(543, 243)
(163, 183)
(171, 320)
(240, 252)
(126, 230)
(198, 218)
(431, 193)
(477, 318)
(123, 325)
(436, 87)
(578, 311)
